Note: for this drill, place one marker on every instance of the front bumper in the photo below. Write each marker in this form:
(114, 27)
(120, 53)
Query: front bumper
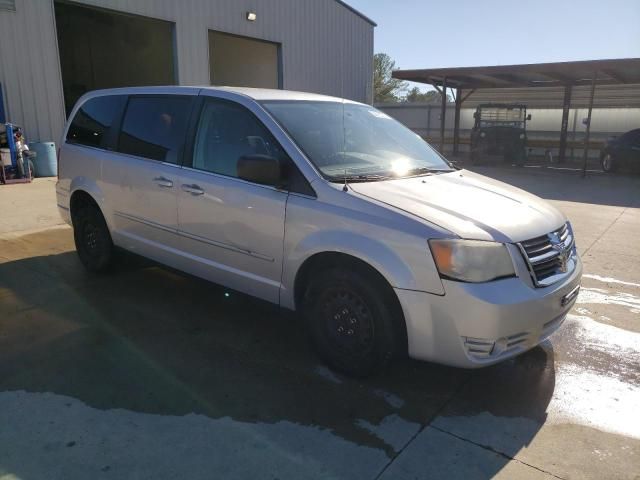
(479, 324)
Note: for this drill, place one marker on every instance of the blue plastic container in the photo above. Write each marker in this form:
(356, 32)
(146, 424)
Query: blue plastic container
(45, 163)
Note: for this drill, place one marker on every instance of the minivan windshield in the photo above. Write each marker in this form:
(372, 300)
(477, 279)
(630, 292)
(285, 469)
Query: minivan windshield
(355, 141)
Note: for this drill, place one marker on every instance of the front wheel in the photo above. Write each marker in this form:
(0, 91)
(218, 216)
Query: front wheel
(607, 162)
(92, 239)
(350, 322)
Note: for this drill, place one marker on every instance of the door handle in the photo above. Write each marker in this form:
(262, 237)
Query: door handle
(163, 182)
(193, 189)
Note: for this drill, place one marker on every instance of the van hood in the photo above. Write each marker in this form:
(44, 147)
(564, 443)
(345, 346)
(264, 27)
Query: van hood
(469, 205)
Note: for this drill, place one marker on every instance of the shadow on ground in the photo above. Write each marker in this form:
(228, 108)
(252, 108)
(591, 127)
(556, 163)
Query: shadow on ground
(148, 339)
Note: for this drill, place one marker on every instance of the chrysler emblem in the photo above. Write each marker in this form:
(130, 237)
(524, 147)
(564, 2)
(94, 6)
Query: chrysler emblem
(563, 253)
(554, 238)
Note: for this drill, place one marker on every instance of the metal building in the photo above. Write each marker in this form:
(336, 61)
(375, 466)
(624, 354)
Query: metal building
(52, 51)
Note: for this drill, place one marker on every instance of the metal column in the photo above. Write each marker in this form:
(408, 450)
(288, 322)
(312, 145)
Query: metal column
(566, 106)
(3, 118)
(443, 113)
(588, 132)
(456, 122)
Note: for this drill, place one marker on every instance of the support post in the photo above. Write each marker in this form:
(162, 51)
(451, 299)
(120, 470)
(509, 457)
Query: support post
(456, 122)
(573, 132)
(443, 113)
(2, 114)
(588, 132)
(566, 106)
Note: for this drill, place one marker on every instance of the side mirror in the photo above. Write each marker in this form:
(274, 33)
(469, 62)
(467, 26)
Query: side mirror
(529, 117)
(262, 169)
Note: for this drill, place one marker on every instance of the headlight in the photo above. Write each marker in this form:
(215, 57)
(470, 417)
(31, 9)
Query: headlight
(472, 260)
(522, 136)
(482, 134)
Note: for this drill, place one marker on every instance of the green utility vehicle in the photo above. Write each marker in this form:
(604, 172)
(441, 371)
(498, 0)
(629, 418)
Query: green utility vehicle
(500, 129)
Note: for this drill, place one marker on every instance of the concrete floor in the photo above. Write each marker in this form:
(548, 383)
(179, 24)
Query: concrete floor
(28, 207)
(149, 373)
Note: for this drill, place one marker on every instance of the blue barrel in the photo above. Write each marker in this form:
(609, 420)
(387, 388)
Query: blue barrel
(45, 163)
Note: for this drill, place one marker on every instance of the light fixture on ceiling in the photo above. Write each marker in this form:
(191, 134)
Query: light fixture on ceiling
(251, 16)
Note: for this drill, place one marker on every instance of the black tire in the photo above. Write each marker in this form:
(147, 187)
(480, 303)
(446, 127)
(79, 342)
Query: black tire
(608, 163)
(350, 322)
(92, 239)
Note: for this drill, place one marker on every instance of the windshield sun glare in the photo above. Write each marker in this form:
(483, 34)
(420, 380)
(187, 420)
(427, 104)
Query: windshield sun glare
(350, 140)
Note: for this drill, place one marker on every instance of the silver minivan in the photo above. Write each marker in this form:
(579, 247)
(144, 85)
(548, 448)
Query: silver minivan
(324, 206)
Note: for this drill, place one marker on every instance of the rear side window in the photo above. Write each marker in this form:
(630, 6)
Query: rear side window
(154, 127)
(93, 120)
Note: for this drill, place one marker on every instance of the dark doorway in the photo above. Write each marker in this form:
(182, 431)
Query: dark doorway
(105, 49)
(243, 62)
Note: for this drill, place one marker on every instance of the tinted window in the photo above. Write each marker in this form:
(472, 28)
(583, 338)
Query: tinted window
(632, 137)
(154, 127)
(636, 138)
(93, 120)
(226, 132)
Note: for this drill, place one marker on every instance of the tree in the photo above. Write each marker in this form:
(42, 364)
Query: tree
(385, 87)
(431, 96)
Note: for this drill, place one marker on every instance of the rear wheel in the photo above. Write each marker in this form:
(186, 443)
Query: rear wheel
(607, 162)
(92, 238)
(350, 322)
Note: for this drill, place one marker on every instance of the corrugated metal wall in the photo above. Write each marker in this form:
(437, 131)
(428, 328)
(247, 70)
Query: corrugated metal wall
(551, 97)
(425, 119)
(326, 48)
(30, 70)
(545, 123)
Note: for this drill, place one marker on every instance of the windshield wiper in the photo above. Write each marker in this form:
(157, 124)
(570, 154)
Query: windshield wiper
(359, 178)
(427, 170)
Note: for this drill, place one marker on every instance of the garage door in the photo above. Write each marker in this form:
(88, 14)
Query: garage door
(105, 49)
(243, 62)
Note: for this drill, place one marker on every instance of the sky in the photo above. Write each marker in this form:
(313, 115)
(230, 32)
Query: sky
(439, 33)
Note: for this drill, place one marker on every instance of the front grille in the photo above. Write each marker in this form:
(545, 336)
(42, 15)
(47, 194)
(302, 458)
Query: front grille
(551, 256)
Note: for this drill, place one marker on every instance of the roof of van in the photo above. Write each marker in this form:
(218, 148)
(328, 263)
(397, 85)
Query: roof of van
(274, 94)
(258, 94)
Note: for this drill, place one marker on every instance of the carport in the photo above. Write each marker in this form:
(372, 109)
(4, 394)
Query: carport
(465, 80)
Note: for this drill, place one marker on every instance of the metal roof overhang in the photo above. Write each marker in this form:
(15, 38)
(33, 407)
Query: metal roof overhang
(608, 72)
(620, 71)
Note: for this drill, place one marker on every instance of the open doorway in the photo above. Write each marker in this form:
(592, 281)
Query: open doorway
(243, 61)
(102, 48)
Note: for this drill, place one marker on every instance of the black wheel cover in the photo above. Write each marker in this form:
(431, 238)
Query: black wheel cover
(349, 323)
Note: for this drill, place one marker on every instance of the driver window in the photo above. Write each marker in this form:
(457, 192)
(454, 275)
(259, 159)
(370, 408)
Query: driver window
(226, 132)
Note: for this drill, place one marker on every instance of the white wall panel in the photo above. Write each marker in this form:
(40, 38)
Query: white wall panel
(326, 48)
